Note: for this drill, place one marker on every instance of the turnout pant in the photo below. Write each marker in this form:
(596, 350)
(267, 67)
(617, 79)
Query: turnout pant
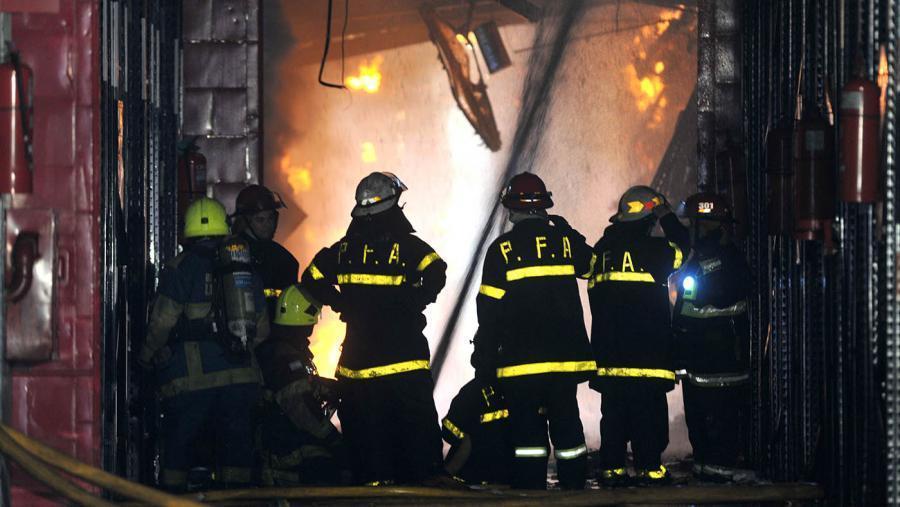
(534, 402)
(391, 427)
(229, 412)
(713, 416)
(637, 414)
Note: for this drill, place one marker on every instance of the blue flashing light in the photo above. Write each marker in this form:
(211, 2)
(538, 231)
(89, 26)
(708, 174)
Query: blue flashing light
(689, 283)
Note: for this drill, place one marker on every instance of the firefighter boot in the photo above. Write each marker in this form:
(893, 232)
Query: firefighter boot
(654, 476)
(613, 477)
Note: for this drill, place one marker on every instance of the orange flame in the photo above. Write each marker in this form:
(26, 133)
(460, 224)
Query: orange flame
(329, 332)
(298, 177)
(369, 78)
(368, 153)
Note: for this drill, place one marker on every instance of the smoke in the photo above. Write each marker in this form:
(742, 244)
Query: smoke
(550, 41)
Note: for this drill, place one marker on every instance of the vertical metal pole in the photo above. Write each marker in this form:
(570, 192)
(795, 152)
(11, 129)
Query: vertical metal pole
(892, 385)
(5, 36)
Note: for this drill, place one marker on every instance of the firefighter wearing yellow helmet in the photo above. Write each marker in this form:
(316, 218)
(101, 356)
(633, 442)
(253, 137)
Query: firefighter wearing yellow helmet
(631, 334)
(300, 445)
(201, 371)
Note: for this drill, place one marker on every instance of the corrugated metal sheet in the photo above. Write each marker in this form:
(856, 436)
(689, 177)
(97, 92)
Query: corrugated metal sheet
(221, 79)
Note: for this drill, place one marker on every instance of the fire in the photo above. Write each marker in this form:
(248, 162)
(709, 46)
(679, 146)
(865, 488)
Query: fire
(368, 153)
(647, 90)
(666, 18)
(882, 79)
(298, 177)
(329, 332)
(369, 78)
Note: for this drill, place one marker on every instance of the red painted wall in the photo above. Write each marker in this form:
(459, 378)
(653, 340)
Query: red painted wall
(58, 402)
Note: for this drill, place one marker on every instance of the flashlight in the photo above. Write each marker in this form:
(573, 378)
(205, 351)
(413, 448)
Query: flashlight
(689, 284)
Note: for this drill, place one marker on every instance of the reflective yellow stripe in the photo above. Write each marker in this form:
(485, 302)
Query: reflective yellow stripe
(272, 293)
(679, 256)
(636, 373)
(453, 429)
(554, 367)
(531, 452)
(369, 279)
(209, 381)
(381, 371)
(492, 292)
(659, 473)
(619, 276)
(611, 473)
(314, 271)
(572, 453)
(539, 271)
(590, 270)
(494, 416)
(433, 256)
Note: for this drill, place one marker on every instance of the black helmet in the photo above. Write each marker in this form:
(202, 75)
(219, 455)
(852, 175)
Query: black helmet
(377, 192)
(637, 203)
(708, 206)
(255, 198)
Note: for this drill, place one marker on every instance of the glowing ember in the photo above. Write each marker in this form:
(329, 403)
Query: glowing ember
(659, 68)
(369, 78)
(298, 177)
(368, 153)
(883, 79)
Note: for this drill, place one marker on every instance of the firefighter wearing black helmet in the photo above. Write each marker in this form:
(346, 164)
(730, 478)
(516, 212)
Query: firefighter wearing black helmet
(631, 333)
(712, 334)
(531, 334)
(256, 219)
(380, 277)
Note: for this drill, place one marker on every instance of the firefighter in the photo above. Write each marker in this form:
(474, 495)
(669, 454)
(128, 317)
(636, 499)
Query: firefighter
(300, 444)
(203, 376)
(477, 429)
(712, 333)
(631, 333)
(386, 276)
(256, 219)
(531, 336)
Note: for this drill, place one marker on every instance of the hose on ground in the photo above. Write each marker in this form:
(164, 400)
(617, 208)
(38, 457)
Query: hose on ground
(47, 476)
(95, 475)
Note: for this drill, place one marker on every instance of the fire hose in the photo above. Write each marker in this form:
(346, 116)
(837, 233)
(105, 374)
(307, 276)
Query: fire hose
(34, 457)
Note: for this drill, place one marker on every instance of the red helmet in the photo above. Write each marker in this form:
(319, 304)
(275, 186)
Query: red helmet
(526, 191)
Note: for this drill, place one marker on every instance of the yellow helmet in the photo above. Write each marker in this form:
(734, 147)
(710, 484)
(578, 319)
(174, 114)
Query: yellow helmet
(205, 217)
(297, 308)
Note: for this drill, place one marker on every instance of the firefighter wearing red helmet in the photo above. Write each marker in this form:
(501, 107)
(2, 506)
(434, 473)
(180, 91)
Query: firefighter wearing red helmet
(712, 336)
(531, 339)
(631, 333)
(386, 276)
(256, 220)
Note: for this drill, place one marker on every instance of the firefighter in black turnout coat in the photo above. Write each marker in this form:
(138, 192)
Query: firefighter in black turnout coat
(477, 429)
(531, 333)
(631, 333)
(712, 336)
(256, 219)
(386, 276)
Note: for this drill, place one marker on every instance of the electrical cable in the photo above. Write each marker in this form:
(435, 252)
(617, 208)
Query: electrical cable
(328, 45)
(94, 475)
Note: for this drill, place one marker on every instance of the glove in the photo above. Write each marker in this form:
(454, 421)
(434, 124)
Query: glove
(662, 209)
(560, 222)
(151, 360)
